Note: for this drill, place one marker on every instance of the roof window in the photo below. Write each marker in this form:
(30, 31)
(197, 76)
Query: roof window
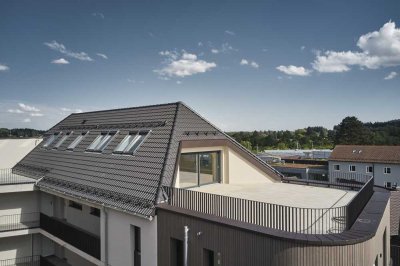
(131, 142)
(61, 141)
(76, 141)
(51, 139)
(101, 142)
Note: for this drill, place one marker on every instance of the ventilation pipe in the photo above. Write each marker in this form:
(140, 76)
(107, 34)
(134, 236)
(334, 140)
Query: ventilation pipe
(185, 246)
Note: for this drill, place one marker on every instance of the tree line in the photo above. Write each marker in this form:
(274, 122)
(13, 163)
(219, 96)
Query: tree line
(20, 133)
(349, 131)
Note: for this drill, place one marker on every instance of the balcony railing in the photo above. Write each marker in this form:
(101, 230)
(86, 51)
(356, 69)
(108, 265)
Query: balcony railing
(22, 261)
(19, 221)
(74, 236)
(285, 218)
(7, 177)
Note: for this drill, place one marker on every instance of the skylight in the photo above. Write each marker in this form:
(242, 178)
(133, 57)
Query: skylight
(76, 141)
(101, 142)
(131, 142)
(51, 139)
(61, 141)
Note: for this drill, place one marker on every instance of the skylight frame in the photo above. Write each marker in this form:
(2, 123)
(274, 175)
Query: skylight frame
(131, 146)
(101, 141)
(77, 140)
(53, 137)
(62, 140)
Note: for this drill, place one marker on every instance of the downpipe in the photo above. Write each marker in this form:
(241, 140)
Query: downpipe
(186, 246)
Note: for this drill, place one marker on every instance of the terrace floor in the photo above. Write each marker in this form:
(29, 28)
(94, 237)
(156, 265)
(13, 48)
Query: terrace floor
(293, 195)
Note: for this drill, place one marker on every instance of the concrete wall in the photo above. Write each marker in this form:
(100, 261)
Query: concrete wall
(19, 246)
(74, 259)
(121, 239)
(378, 171)
(82, 218)
(13, 150)
(17, 203)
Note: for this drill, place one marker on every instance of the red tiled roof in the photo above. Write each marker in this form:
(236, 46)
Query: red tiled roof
(366, 153)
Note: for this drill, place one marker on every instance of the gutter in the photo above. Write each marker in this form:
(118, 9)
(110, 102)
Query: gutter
(105, 235)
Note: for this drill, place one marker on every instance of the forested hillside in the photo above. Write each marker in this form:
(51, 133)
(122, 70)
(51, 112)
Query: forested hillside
(20, 133)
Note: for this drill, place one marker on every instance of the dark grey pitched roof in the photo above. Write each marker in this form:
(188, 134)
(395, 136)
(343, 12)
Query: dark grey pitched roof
(128, 182)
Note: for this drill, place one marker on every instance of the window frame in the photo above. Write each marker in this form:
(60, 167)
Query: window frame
(338, 167)
(75, 205)
(94, 211)
(367, 169)
(352, 171)
(219, 165)
(134, 148)
(385, 170)
(82, 135)
(100, 146)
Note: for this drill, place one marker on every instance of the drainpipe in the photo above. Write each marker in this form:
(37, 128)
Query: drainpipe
(105, 235)
(185, 246)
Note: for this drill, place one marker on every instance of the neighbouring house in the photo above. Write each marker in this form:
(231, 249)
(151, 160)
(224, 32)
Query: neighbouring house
(381, 162)
(13, 150)
(160, 185)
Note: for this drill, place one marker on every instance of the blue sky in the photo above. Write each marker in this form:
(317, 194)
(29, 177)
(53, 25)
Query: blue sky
(244, 65)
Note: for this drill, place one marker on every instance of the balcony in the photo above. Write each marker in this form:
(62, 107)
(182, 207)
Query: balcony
(82, 240)
(237, 204)
(23, 261)
(19, 221)
(7, 177)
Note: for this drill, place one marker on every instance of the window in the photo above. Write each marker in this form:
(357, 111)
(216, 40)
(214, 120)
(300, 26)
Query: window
(61, 141)
(208, 257)
(95, 211)
(50, 140)
(336, 167)
(131, 142)
(101, 142)
(76, 141)
(387, 170)
(176, 252)
(352, 168)
(75, 205)
(388, 184)
(196, 169)
(137, 250)
(370, 169)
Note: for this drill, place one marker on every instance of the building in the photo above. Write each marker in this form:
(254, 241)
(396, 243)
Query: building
(13, 150)
(160, 185)
(382, 162)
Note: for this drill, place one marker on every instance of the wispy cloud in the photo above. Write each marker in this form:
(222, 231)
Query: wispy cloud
(377, 49)
(302, 48)
(28, 108)
(294, 70)
(391, 75)
(200, 44)
(60, 61)
(102, 55)
(4, 67)
(225, 48)
(36, 114)
(70, 110)
(182, 65)
(27, 120)
(98, 14)
(59, 47)
(15, 111)
(229, 32)
(245, 62)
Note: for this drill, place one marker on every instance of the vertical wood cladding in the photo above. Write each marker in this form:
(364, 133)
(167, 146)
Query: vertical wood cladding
(238, 247)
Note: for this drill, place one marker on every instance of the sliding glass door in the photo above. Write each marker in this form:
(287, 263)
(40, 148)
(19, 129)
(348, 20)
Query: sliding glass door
(196, 169)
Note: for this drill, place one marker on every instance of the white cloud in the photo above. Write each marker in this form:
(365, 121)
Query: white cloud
(183, 65)
(4, 67)
(264, 50)
(229, 32)
(199, 44)
(178, 82)
(27, 120)
(378, 49)
(245, 62)
(28, 108)
(391, 75)
(15, 111)
(302, 48)
(214, 51)
(98, 14)
(294, 70)
(36, 114)
(70, 110)
(54, 45)
(60, 61)
(102, 55)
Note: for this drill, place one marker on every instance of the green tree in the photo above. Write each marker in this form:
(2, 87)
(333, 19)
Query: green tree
(352, 131)
(246, 144)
